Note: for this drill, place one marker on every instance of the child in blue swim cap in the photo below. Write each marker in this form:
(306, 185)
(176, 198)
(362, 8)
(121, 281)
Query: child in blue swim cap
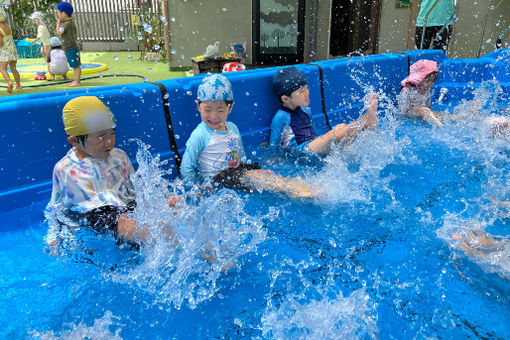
(215, 149)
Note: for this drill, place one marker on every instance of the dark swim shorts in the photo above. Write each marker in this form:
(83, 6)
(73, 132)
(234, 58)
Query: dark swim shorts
(73, 57)
(105, 218)
(231, 177)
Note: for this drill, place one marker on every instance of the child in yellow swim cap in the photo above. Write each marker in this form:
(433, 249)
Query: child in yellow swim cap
(92, 182)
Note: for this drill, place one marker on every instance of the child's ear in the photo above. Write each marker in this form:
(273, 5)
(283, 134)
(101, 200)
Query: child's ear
(230, 107)
(285, 99)
(198, 104)
(72, 140)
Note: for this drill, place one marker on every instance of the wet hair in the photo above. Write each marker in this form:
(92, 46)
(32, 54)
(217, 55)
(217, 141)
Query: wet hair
(228, 102)
(81, 139)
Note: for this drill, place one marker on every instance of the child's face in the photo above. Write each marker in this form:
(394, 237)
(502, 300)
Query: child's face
(61, 15)
(214, 114)
(428, 82)
(300, 97)
(97, 145)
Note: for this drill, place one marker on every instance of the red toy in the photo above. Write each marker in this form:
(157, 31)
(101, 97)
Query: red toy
(234, 66)
(40, 75)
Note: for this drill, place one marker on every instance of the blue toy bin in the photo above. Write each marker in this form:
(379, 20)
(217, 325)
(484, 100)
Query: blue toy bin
(27, 49)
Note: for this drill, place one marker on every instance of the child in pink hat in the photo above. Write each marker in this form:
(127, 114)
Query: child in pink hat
(414, 98)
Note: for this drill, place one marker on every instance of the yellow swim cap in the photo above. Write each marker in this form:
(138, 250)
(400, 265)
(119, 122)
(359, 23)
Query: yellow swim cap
(84, 115)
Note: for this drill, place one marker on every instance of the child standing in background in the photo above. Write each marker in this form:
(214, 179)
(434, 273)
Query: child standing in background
(67, 31)
(8, 53)
(42, 34)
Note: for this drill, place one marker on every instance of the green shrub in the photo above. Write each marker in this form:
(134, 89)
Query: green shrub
(20, 10)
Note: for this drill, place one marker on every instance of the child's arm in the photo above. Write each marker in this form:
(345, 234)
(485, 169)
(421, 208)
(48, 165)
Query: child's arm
(280, 120)
(242, 154)
(60, 29)
(189, 165)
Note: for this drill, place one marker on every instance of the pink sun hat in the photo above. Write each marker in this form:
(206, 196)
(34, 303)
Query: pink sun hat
(419, 70)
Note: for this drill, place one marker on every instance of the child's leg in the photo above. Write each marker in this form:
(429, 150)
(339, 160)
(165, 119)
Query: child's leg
(47, 50)
(475, 241)
(269, 180)
(77, 75)
(5, 74)
(15, 73)
(343, 132)
(52, 76)
(427, 115)
(128, 229)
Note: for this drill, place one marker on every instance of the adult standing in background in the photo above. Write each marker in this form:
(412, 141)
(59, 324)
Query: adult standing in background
(435, 28)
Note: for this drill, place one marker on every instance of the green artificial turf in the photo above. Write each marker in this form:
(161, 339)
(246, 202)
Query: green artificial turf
(120, 63)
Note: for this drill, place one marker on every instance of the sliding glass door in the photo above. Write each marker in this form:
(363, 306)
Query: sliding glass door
(278, 31)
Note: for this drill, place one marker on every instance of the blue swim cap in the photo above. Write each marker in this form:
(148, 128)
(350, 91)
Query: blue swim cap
(288, 80)
(65, 7)
(215, 88)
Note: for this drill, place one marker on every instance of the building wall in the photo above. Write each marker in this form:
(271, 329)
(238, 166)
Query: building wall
(394, 27)
(200, 23)
(468, 27)
(470, 23)
(322, 34)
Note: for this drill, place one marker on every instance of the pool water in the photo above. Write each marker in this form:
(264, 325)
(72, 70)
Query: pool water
(372, 258)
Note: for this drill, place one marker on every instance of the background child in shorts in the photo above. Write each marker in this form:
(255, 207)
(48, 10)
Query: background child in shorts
(292, 124)
(8, 53)
(42, 34)
(66, 29)
(215, 149)
(57, 60)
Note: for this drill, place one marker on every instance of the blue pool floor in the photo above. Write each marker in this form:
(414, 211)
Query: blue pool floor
(371, 259)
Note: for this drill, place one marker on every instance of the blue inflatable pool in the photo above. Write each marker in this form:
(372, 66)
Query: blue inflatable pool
(374, 258)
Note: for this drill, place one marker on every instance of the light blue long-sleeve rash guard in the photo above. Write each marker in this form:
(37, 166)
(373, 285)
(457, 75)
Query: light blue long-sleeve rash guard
(210, 151)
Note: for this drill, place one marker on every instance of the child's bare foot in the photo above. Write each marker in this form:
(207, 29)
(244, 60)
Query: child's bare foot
(19, 87)
(50, 79)
(74, 84)
(369, 119)
(9, 88)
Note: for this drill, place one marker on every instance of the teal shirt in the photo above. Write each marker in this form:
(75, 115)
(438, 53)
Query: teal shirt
(439, 15)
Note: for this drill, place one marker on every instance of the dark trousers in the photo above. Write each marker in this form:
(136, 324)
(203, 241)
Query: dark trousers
(439, 42)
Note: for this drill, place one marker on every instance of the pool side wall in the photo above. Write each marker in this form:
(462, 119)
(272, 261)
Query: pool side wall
(34, 139)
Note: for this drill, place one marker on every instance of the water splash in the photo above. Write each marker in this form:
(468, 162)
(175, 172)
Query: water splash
(101, 329)
(192, 244)
(337, 317)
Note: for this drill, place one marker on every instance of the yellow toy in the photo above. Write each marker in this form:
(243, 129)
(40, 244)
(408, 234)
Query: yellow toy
(33, 41)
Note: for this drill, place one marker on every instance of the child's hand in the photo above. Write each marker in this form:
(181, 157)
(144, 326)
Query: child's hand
(172, 201)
